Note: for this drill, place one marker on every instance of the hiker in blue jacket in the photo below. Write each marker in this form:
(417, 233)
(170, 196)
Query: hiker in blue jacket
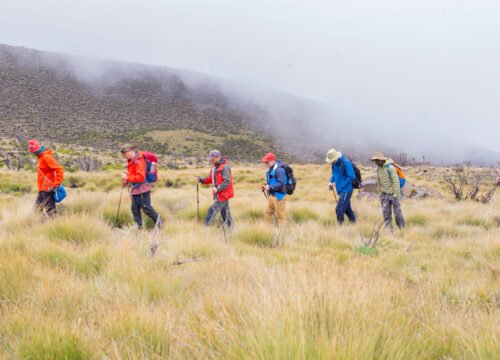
(343, 176)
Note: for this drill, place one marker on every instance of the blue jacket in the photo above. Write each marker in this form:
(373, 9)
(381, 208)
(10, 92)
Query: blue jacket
(343, 180)
(276, 179)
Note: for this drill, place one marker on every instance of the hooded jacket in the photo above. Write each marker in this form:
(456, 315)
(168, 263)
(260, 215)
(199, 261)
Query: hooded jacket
(388, 179)
(276, 179)
(136, 174)
(50, 173)
(343, 179)
(220, 177)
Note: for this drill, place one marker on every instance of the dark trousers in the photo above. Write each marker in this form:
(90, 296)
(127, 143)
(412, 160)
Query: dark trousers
(143, 201)
(390, 204)
(344, 207)
(222, 208)
(45, 202)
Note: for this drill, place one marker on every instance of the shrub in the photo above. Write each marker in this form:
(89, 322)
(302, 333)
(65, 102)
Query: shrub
(75, 181)
(259, 236)
(303, 215)
(77, 230)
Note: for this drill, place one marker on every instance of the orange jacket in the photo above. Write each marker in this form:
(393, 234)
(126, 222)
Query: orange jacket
(136, 174)
(50, 172)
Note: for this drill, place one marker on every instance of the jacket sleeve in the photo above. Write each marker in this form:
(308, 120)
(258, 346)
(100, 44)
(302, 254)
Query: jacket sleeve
(349, 170)
(280, 178)
(395, 181)
(379, 185)
(332, 178)
(207, 180)
(53, 165)
(226, 179)
(139, 174)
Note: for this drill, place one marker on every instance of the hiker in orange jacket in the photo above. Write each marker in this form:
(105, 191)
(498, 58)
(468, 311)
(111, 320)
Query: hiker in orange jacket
(50, 175)
(140, 188)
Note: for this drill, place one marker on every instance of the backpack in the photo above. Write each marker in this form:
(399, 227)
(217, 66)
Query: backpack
(151, 167)
(401, 174)
(356, 183)
(291, 181)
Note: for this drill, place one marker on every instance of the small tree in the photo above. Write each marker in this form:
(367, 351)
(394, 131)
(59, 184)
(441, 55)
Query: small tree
(464, 183)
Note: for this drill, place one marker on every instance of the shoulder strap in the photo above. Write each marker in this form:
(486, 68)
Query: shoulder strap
(343, 167)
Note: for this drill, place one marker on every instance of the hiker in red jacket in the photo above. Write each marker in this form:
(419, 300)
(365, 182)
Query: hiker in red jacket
(221, 179)
(135, 177)
(50, 175)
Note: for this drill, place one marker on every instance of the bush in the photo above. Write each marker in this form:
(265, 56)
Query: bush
(303, 215)
(366, 250)
(191, 213)
(259, 236)
(75, 182)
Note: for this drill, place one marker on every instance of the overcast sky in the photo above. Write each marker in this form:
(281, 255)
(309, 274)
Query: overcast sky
(428, 65)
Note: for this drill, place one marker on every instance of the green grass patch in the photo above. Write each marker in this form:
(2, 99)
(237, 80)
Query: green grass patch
(303, 215)
(87, 266)
(366, 250)
(76, 230)
(124, 218)
(49, 345)
(257, 236)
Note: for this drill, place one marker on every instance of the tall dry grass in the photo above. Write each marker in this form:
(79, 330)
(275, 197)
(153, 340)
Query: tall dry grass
(75, 287)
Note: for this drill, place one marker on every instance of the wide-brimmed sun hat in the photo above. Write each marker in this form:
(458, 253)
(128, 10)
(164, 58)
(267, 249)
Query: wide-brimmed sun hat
(378, 156)
(213, 154)
(332, 155)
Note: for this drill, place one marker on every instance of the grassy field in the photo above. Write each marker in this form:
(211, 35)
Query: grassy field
(75, 287)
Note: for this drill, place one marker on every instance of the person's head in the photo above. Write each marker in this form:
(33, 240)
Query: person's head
(333, 156)
(214, 156)
(378, 159)
(129, 151)
(34, 146)
(269, 159)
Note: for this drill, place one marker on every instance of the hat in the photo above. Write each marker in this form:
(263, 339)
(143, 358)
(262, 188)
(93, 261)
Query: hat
(268, 157)
(127, 147)
(378, 156)
(213, 154)
(34, 146)
(332, 155)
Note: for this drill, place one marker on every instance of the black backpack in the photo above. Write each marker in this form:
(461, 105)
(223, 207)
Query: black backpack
(356, 183)
(291, 181)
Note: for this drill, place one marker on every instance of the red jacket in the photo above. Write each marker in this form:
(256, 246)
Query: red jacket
(136, 174)
(228, 192)
(49, 172)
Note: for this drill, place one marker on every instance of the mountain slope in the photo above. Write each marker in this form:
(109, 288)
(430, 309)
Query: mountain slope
(102, 103)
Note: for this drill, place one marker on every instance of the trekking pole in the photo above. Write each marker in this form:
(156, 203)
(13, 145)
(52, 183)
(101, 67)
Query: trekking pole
(198, 200)
(265, 193)
(119, 205)
(334, 194)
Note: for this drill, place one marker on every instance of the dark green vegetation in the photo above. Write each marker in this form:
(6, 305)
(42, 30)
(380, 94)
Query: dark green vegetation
(99, 103)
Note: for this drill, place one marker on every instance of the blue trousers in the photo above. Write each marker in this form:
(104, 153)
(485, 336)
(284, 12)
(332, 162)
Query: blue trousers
(344, 208)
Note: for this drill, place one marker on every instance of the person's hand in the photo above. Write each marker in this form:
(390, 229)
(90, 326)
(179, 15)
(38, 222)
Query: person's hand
(262, 186)
(215, 190)
(51, 188)
(266, 187)
(330, 186)
(124, 176)
(197, 179)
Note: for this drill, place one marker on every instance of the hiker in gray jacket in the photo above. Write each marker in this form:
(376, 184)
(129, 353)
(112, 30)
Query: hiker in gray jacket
(390, 190)
(221, 179)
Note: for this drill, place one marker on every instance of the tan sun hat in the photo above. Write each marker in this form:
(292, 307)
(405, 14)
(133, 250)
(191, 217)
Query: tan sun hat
(127, 147)
(332, 155)
(378, 156)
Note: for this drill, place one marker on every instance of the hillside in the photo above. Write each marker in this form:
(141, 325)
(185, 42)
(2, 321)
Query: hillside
(102, 103)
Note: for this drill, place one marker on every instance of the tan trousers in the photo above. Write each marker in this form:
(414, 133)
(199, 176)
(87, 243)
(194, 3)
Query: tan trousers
(276, 208)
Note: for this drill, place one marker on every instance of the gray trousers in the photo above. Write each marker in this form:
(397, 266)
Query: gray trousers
(222, 208)
(390, 204)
